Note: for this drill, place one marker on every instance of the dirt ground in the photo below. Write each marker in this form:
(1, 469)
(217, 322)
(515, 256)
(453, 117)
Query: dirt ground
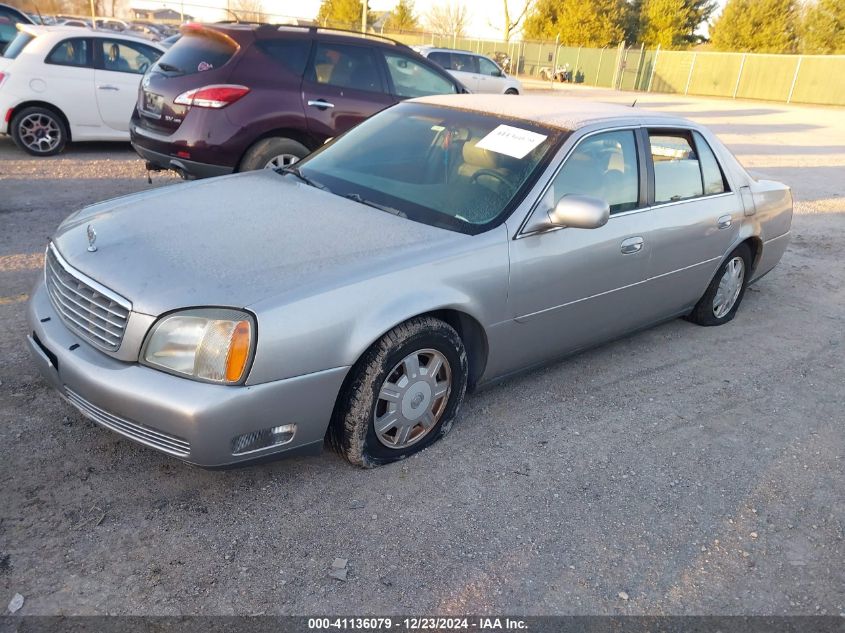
(697, 470)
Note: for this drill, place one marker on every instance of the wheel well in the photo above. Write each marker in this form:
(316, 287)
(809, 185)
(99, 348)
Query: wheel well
(46, 106)
(295, 135)
(756, 246)
(474, 339)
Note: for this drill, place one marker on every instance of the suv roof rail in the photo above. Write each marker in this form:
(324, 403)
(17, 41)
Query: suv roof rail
(324, 29)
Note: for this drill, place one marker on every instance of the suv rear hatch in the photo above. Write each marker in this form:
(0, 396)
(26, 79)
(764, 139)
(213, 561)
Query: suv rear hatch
(193, 71)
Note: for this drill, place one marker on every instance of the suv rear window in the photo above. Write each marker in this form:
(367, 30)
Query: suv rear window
(17, 45)
(196, 53)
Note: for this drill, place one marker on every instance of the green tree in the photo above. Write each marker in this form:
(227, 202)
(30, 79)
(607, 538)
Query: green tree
(346, 13)
(673, 23)
(823, 28)
(594, 23)
(757, 26)
(402, 18)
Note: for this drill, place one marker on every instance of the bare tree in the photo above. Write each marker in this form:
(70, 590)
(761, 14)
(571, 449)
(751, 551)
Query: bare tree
(512, 25)
(248, 10)
(448, 18)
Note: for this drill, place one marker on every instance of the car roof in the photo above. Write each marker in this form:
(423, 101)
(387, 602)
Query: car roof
(60, 30)
(560, 112)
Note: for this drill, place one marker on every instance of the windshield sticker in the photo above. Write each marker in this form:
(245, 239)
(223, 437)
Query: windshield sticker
(511, 141)
(204, 66)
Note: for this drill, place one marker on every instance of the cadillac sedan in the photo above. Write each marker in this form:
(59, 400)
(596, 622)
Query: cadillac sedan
(354, 297)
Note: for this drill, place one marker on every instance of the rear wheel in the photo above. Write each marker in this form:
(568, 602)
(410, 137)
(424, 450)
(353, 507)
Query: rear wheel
(39, 131)
(511, 91)
(273, 153)
(724, 294)
(402, 395)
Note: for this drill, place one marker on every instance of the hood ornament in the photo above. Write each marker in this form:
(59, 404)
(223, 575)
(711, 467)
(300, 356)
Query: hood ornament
(92, 239)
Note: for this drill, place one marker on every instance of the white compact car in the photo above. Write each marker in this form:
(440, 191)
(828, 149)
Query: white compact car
(60, 84)
(477, 72)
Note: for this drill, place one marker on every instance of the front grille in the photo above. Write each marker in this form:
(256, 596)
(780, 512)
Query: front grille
(86, 307)
(164, 442)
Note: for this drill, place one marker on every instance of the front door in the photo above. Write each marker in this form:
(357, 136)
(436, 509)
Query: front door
(120, 65)
(343, 86)
(572, 288)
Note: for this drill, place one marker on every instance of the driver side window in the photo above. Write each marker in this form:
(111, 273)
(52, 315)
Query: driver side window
(603, 166)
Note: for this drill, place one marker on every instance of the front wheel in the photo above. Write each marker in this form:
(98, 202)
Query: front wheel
(724, 294)
(511, 91)
(402, 395)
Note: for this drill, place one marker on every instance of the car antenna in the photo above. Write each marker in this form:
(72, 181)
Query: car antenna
(40, 17)
(634, 104)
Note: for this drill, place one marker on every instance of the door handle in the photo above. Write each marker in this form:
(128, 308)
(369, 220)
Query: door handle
(725, 221)
(107, 87)
(322, 104)
(632, 245)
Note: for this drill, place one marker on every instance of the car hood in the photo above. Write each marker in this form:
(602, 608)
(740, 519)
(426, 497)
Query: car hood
(236, 240)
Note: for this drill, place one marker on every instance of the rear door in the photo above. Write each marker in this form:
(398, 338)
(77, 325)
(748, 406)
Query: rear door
(120, 65)
(343, 85)
(696, 216)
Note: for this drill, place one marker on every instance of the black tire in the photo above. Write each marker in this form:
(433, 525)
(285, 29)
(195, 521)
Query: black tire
(704, 312)
(511, 91)
(50, 118)
(352, 430)
(262, 152)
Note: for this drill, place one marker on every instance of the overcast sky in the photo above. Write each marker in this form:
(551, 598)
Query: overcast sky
(486, 16)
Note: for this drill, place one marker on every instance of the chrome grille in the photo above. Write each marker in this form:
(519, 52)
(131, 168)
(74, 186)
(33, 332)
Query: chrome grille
(86, 307)
(164, 442)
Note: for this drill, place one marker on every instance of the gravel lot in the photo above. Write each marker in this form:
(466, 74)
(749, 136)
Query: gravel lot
(697, 470)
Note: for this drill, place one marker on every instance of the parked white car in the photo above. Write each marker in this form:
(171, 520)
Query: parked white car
(60, 84)
(477, 72)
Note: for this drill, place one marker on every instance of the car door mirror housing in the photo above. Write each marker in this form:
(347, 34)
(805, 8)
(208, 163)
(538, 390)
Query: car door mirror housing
(580, 212)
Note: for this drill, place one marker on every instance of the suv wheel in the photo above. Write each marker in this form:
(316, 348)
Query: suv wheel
(39, 131)
(272, 153)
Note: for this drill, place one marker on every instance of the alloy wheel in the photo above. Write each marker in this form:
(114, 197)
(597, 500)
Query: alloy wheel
(282, 160)
(39, 132)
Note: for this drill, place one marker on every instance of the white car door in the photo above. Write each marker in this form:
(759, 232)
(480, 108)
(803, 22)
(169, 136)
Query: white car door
(490, 77)
(66, 78)
(120, 65)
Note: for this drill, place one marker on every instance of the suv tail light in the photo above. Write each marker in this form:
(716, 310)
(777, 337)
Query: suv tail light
(217, 96)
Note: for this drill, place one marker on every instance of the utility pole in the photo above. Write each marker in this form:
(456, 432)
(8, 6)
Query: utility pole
(93, 15)
(364, 16)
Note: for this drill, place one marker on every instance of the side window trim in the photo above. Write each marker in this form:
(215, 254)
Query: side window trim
(696, 135)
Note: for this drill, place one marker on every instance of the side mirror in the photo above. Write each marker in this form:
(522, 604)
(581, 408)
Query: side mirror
(580, 212)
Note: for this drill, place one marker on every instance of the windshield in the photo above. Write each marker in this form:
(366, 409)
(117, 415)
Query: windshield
(457, 169)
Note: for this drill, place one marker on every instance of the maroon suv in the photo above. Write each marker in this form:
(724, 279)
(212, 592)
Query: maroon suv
(235, 97)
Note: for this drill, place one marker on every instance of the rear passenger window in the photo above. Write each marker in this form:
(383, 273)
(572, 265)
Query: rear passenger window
(677, 172)
(714, 179)
(603, 166)
(292, 54)
(412, 79)
(73, 52)
(127, 57)
(346, 67)
(444, 60)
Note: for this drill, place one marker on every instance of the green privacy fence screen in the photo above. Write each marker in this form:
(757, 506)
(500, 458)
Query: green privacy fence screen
(816, 79)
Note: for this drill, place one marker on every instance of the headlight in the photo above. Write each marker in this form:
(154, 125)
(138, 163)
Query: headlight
(213, 344)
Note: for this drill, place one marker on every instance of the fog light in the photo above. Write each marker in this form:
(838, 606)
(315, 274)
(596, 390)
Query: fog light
(265, 438)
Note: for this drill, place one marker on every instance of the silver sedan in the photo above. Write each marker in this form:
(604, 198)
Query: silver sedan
(354, 297)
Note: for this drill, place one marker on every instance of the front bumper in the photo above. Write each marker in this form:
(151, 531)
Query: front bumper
(193, 421)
